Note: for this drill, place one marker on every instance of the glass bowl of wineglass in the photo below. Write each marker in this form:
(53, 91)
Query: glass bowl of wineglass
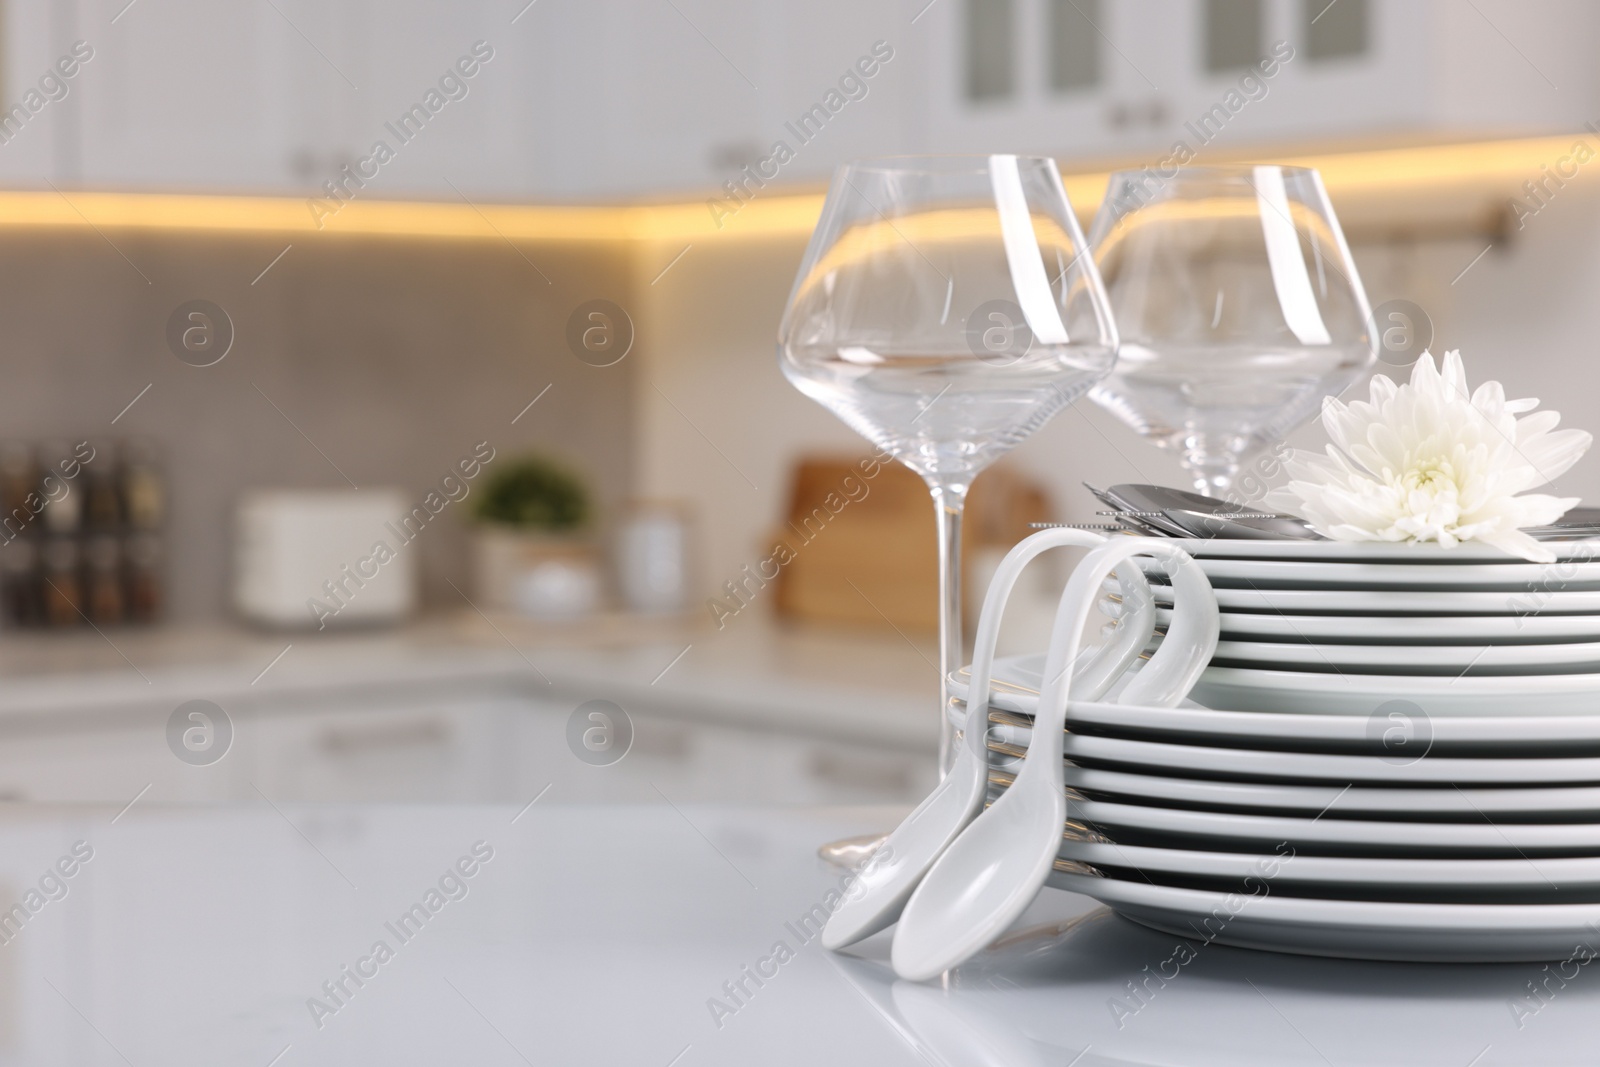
(1238, 305)
(946, 308)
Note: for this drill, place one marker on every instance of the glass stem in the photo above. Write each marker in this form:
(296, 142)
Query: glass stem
(1213, 475)
(949, 500)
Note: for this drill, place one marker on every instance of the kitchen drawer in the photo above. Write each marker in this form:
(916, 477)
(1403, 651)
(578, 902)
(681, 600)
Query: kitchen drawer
(349, 751)
(103, 766)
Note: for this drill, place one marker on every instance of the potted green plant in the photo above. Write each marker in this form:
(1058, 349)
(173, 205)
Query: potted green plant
(533, 515)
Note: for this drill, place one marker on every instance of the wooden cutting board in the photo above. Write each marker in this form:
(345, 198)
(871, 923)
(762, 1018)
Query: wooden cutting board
(858, 544)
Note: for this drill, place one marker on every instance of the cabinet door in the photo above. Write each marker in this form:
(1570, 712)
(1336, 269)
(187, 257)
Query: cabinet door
(93, 759)
(1487, 69)
(1071, 78)
(830, 55)
(39, 146)
(690, 762)
(185, 96)
(690, 78)
(438, 91)
(376, 749)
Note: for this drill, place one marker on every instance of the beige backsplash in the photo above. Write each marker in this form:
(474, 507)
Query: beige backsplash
(392, 356)
(396, 355)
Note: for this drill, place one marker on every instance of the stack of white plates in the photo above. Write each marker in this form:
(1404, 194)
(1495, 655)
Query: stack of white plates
(1403, 834)
(1346, 628)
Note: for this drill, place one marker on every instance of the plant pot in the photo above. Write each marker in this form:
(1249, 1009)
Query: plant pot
(503, 557)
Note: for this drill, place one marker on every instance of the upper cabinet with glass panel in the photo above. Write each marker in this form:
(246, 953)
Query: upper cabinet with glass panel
(1093, 80)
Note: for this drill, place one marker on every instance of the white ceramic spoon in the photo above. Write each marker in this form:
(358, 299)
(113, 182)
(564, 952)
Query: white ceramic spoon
(885, 881)
(985, 879)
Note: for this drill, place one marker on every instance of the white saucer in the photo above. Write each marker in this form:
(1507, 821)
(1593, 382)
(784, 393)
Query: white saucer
(1352, 929)
(1334, 734)
(1373, 551)
(1344, 693)
(1506, 875)
(1422, 660)
(1367, 602)
(1017, 680)
(1403, 630)
(1301, 767)
(1370, 836)
(1325, 575)
(1469, 805)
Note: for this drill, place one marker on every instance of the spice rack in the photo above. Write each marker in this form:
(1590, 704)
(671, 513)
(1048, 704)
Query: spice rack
(80, 533)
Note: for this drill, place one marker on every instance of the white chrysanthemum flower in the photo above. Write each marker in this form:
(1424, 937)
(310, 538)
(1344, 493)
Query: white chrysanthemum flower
(1426, 462)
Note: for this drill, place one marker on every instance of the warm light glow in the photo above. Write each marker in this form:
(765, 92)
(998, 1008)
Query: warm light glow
(1483, 172)
(1216, 219)
(927, 235)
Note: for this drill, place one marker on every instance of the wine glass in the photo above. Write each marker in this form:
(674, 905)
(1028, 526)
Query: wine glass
(1238, 305)
(945, 309)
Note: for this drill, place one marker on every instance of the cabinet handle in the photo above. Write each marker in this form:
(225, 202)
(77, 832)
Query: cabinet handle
(343, 742)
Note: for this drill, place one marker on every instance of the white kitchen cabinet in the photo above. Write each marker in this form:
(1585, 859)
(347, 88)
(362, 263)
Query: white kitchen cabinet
(110, 758)
(688, 97)
(1091, 79)
(455, 741)
(279, 97)
(440, 89)
(106, 766)
(1382, 70)
(814, 56)
(577, 102)
(425, 747)
(39, 145)
(630, 99)
(185, 97)
(697, 762)
(1073, 78)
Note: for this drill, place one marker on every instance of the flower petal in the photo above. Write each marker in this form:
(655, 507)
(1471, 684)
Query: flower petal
(1430, 461)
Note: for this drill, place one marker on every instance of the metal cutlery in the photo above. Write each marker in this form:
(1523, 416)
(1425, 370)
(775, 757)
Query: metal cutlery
(1163, 511)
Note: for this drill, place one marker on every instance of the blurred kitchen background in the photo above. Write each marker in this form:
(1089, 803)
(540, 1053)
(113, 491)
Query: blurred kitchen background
(529, 346)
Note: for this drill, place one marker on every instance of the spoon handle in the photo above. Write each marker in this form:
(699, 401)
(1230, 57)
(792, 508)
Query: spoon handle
(1072, 614)
(994, 604)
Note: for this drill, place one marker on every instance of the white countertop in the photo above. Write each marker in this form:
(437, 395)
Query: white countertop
(613, 936)
(860, 685)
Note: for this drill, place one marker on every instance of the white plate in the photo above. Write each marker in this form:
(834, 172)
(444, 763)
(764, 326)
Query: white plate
(1320, 574)
(1309, 800)
(1152, 756)
(1410, 737)
(1017, 681)
(1371, 836)
(1372, 551)
(1343, 693)
(1496, 735)
(1394, 602)
(1450, 660)
(1463, 933)
(1402, 630)
(1509, 875)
